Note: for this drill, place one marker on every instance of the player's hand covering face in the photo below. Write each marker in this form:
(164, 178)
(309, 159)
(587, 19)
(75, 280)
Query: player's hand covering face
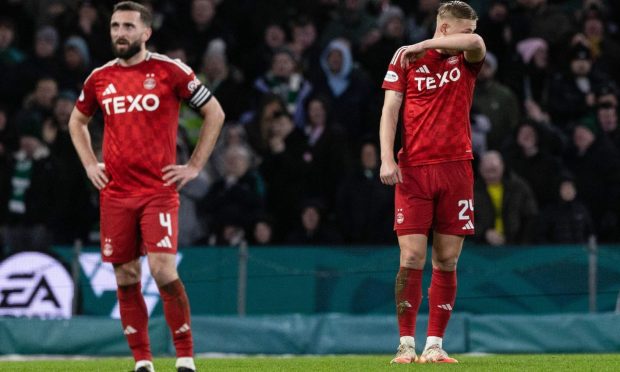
(449, 26)
(128, 33)
(411, 54)
(453, 26)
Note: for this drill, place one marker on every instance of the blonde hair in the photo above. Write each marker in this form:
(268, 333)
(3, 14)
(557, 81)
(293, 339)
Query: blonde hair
(457, 9)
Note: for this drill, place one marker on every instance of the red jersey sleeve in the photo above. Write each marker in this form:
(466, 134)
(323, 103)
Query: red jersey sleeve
(87, 101)
(474, 67)
(395, 78)
(189, 88)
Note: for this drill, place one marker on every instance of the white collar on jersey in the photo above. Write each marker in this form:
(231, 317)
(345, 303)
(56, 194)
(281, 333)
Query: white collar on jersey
(148, 56)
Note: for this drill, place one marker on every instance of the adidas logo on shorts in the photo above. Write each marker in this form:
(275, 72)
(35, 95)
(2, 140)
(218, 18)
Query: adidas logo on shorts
(165, 243)
(468, 226)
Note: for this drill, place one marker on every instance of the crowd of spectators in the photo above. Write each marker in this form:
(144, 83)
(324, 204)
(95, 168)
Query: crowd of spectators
(300, 82)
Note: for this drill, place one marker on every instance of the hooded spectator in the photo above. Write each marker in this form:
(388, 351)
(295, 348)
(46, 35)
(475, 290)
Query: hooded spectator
(347, 88)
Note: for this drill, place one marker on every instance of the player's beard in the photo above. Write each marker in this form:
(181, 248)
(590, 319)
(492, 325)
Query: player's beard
(131, 50)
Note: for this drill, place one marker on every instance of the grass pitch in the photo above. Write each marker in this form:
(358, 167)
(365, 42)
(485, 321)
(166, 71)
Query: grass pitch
(539, 362)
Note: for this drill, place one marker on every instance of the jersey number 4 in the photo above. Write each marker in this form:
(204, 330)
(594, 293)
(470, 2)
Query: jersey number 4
(166, 221)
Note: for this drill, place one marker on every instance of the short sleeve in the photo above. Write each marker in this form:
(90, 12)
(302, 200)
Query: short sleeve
(474, 67)
(190, 89)
(87, 101)
(395, 78)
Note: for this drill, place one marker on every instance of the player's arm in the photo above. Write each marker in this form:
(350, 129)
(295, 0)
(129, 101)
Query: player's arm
(390, 173)
(213, 119)
(78, 128)
(471, 44)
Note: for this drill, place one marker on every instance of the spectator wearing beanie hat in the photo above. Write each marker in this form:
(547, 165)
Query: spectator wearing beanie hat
(496, 101)
(530, 74)
(75, 64)
(596, 165)
(571, 95)
(42, 63)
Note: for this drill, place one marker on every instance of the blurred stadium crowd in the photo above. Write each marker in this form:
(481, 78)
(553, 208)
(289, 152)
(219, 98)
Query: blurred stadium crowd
(300, 82)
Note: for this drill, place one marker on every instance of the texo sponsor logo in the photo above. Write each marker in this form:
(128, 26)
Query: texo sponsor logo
(123, 104)
(430, 83)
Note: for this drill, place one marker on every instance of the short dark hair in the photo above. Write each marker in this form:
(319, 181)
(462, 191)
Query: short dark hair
(457, 9)
(145, 14)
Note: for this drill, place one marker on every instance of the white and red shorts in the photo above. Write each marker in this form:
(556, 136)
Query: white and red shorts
(437, 196)
(134, 226)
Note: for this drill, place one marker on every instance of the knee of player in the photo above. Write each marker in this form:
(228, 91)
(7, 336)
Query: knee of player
(128, 273)
(414, 260)
(445, 263)
(162, 272)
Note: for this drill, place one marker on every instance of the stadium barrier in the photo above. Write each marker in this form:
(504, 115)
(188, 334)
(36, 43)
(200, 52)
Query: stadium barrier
(318, 334)
(360, 280)
(296, 299)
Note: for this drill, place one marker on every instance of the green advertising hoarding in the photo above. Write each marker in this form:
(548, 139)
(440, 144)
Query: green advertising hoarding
(360, 280)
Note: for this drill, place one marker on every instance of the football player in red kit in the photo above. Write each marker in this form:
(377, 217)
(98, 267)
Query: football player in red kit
(139, 94)
(431, 83)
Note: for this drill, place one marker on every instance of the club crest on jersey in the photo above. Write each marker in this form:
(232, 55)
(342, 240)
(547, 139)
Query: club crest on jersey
(440, 79)
(391, 77)
(400, 217)
(192, 85)
(453, 60)
(107, 247)
(149, 82)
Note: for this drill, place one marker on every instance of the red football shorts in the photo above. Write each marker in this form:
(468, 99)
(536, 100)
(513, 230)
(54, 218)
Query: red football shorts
(437, 196)
(132, 227)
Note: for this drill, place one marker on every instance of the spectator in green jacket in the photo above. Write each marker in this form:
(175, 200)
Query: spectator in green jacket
(497, 102)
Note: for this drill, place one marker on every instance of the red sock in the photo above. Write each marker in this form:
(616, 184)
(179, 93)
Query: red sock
(408, 297)
(176, 310)
(441, 296)
(135, 319)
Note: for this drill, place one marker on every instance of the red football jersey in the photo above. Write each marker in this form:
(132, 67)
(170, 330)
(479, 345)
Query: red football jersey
(140, 106)
(438, 91)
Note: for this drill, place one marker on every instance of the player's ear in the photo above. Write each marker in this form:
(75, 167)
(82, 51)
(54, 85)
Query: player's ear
(147, 34)
(443, 28)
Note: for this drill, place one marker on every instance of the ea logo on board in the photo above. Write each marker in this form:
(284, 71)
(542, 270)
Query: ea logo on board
(34, 284)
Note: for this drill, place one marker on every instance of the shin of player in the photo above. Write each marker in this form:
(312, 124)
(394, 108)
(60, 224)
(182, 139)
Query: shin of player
(139, 94)
(432, 84)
